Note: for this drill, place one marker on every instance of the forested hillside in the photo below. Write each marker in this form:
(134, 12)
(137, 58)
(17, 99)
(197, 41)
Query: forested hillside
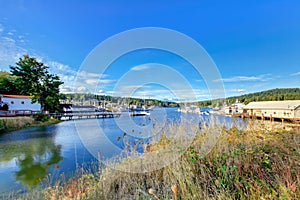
(278, 94)
(81, 97)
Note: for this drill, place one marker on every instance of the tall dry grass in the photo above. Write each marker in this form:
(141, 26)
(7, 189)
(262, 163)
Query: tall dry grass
(16, 122)
(219, 162)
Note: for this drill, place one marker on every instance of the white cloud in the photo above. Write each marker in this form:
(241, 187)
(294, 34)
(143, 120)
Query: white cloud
(81, 89)
(239, 90)
(295, 74)
(146, 91)
(101, 92)
(263, 77)
(101, 82)
(87, 75)
(66, 89)
(107, 82)
(57, 68)
(11, 49)
(10, 52)
(140, 68)
(70, 89)
(92, 81)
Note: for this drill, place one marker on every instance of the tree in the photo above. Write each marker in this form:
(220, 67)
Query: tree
(7, 83)
(34, 79)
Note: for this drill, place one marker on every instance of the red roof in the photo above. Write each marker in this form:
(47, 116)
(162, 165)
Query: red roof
(16, 96)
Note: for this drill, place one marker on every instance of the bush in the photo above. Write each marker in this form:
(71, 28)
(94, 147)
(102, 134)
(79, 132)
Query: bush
(40, 117)
(2, 126)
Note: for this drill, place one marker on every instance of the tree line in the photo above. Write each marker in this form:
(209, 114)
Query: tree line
(278, 94)
(81, 97)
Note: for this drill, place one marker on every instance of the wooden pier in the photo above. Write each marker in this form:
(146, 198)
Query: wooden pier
(84, 115)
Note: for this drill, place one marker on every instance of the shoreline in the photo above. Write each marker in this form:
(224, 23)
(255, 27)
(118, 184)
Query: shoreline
(247, 163)
(8, 124)
(243, 162)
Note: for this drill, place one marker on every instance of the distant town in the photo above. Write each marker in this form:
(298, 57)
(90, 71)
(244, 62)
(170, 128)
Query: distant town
(276, 104)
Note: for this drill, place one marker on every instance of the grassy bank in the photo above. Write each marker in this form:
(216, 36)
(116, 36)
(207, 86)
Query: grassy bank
(258, 162)
(14, 123)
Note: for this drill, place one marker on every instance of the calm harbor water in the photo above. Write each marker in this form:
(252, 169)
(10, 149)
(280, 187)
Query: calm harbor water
(31, 155)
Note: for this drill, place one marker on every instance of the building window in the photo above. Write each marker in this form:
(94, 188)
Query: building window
(22, 102)
(11, 102)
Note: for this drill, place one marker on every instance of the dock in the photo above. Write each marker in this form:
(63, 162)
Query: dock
(84, 115)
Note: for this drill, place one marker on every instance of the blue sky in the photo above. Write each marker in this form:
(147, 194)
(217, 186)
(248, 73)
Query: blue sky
(254, 44)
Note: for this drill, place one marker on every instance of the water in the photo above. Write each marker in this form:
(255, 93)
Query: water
(29, 156)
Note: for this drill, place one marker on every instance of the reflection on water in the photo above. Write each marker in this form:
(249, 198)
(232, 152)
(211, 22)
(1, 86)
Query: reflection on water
(34, 162)
(28, 156)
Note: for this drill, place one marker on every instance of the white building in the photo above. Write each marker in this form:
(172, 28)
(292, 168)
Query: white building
(236, 108)
(274, 109)
(18, 103)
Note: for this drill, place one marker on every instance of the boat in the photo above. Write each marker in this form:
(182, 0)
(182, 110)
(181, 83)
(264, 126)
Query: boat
(189, 109)
(139, 111)
(204, 112)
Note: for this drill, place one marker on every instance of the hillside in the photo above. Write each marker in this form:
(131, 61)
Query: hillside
(278, 94)
(89, 99)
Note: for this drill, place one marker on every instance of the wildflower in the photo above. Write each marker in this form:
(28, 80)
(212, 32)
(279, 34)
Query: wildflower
(152, 192)
(174, 189)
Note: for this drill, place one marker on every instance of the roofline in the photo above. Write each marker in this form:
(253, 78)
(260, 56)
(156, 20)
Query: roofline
(15, 96)
(272, 108)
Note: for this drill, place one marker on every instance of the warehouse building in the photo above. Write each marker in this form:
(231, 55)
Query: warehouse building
(270, 110)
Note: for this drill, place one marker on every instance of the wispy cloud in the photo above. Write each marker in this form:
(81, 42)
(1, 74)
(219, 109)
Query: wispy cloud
(86, 75)
(102, 82)
(92, 79)
(147, 91)
(13, 47)
(140, 68)
(295, 74)
(10, 52)
(107, 82)
(263, 77)
(70, 89)
(239, 90)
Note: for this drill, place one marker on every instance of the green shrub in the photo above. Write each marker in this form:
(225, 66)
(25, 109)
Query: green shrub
(40, 117)
(2, 126)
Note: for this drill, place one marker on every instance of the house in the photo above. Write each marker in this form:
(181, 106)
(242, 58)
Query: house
(18, 103)
(273, 110)
(236, 108)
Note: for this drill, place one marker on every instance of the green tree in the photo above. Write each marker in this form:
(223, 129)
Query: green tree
(34, 79)
(7, 83)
